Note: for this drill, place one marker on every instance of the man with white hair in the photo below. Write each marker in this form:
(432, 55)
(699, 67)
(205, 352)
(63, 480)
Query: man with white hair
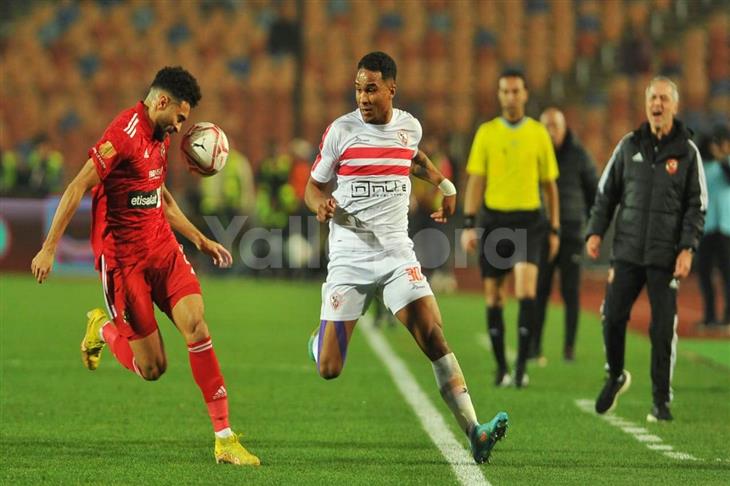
(655, 178)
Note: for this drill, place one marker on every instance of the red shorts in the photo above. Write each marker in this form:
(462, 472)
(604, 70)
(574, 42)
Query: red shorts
(130, 290)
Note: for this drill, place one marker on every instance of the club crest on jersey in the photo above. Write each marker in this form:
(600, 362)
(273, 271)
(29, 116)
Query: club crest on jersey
(671, 166)
(335, 300)
(162, 150)
(403, 137)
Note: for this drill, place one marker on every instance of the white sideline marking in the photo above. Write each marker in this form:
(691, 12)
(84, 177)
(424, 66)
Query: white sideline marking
(653, 442)
(484, 342)
(460, 460)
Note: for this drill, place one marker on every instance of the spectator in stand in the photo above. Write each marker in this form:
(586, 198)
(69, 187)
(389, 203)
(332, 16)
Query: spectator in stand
(714, 249)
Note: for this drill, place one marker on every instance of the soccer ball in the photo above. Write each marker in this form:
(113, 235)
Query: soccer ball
(205, 148)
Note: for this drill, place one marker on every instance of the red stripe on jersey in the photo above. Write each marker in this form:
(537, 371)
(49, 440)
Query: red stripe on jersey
(321, 144)
(377, 153)
(363, 170)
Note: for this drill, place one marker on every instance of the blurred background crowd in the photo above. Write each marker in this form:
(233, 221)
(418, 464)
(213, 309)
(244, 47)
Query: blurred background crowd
(275, 73)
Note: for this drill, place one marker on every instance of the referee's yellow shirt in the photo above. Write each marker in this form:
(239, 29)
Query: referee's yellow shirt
(515, 159)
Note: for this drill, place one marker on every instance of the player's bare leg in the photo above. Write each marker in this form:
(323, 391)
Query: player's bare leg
(495, 295)
(525, 291)
(423, 320)
(328, 347)
(149, 356)
(188, 316)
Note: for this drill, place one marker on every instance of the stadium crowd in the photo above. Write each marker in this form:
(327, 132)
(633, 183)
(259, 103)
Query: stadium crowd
(275, 72)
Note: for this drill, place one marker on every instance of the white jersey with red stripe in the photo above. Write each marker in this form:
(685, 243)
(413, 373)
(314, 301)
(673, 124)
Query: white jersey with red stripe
(372, 187)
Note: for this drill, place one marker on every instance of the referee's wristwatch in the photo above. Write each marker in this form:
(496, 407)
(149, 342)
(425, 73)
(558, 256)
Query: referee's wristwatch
(555, 231)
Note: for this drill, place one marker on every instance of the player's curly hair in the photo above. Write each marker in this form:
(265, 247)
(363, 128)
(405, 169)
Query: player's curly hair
(179, 83)
(379, 62)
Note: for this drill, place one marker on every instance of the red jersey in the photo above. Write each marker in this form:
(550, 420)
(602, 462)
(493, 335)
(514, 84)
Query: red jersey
(128, 221)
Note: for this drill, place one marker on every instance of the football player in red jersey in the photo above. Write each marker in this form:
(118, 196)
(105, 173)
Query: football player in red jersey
(139, 260)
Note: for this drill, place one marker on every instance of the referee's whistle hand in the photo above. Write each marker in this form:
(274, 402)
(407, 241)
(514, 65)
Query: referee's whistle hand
(469, 239)
(593, 247)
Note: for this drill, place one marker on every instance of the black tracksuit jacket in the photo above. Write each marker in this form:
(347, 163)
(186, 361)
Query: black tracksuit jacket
(660, 190)
(576, 184)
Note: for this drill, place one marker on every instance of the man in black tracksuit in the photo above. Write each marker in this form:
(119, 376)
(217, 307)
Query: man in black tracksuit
(655, 178)
(576, 192)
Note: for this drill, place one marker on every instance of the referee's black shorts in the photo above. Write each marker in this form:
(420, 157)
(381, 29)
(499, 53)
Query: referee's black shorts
(509, 237)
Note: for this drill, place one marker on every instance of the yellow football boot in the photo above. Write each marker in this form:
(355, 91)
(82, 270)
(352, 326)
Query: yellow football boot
(230, 451)
(92, 344)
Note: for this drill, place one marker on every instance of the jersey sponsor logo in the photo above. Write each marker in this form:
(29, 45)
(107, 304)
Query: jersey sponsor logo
(671, 166)
(155, 173)
(144, 199)
(362, 189)
(403, 137)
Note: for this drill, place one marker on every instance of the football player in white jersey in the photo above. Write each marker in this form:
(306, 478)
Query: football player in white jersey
(360, 184)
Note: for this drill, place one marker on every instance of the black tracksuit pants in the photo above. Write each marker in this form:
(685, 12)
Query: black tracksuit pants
(621, 294)
(568, 263)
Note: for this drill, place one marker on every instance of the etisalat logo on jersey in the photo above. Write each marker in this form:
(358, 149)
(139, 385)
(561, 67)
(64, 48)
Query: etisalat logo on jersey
(144, 199)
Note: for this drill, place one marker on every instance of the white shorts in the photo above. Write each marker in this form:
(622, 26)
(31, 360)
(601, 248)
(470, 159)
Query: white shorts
(355, 277)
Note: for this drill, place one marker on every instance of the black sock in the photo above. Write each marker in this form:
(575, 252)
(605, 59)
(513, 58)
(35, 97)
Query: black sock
(525, 321)
(495, 329)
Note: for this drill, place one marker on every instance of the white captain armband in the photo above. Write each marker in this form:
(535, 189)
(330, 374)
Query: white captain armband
(447, 187)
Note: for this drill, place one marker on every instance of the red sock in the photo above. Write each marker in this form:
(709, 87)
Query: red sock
(207, 374)
(119, 346)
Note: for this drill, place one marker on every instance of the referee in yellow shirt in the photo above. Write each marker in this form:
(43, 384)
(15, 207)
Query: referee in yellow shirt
(511, 158)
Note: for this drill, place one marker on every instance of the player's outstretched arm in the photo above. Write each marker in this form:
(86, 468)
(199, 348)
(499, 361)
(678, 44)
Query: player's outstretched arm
(86, 179)
(423, 168)
(475, 185)
(179, 222)
(319, 200)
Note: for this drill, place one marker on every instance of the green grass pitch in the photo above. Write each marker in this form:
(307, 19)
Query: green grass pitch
(60, 424)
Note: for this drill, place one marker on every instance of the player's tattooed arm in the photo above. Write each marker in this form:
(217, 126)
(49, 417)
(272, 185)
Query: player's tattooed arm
(319, 200)
(180, 223)
(86, 179)
(423, 168)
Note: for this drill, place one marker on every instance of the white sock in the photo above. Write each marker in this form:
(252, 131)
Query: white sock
(453, 390)
(223, 433)
(101, 331)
